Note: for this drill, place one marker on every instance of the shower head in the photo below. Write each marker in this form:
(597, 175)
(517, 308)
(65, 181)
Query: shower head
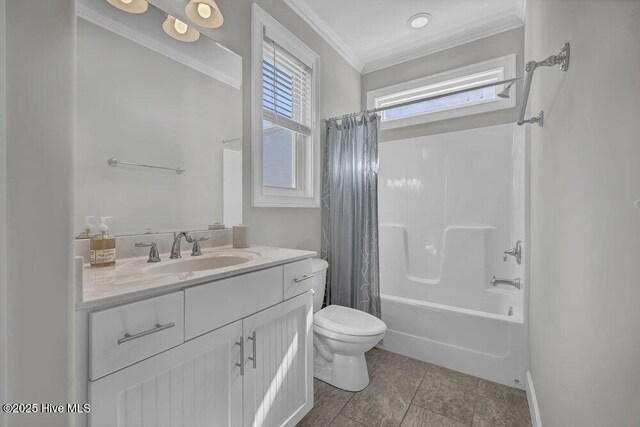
(504, 93)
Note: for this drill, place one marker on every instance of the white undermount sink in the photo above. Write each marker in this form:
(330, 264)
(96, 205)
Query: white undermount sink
(204, 262)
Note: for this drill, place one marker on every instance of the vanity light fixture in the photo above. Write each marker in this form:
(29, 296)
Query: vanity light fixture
(419, 20)
(131, 6)
(179, 30)
(204, 13)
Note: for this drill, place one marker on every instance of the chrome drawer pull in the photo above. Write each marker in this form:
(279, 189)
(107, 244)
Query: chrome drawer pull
(158, 328)
(253, 339)
(303, 278)
(241, 364)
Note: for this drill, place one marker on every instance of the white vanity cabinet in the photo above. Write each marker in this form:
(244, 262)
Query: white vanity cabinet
(194, 384)
(278, 376)
(251, 369)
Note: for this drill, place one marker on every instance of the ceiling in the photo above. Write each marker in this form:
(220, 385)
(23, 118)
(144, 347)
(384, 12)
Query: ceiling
(373, 34)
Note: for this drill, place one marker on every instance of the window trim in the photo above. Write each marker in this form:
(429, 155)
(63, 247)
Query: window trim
(307, 195)
(508, 62)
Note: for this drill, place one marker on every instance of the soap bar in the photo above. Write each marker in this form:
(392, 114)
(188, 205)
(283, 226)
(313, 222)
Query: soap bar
(241, 236)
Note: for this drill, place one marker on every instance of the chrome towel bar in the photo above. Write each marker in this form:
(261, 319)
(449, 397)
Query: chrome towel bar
(114, 162)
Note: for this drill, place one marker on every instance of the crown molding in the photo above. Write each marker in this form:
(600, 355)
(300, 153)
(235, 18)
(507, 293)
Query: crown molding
(388, 59)
(325, 31)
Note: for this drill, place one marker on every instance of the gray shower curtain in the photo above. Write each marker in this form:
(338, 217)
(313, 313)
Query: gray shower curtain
(350, 213)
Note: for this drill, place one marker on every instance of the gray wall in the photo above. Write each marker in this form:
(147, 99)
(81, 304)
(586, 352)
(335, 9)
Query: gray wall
(340, 93)
(460, 56)
(585, 233)
(39, 100)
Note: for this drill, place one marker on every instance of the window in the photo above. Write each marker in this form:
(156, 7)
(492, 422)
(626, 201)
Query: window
(473, 101)
(285, 139)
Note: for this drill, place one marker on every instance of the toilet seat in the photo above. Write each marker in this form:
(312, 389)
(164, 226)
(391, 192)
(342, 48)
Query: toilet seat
(347, 321)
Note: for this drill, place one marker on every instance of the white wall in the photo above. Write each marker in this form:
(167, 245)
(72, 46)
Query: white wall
(481, 50)
(40, 131)
(585, 232)
(3, 230)
(140, 106)
(339, 92)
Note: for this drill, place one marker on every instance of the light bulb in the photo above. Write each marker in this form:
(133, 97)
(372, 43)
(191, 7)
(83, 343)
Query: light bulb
(180, 26)
(126, 1)
(204, 10)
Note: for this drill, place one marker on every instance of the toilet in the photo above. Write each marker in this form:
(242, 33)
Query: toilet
(341, 336)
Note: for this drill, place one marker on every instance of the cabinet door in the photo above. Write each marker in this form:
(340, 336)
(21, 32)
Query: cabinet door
(278, 378)
(195, 384)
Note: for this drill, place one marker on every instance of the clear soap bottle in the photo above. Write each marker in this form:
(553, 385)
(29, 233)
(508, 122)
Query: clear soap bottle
(88, 229)
(102, 250)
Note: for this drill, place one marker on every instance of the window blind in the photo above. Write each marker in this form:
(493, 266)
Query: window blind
(286, 89)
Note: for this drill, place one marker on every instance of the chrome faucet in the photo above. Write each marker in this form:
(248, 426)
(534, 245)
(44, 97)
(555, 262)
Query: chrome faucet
(515, 282)
(514, 252)
(177, 238)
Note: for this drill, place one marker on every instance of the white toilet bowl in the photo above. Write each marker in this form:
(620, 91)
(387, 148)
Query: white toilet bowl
(341, 336)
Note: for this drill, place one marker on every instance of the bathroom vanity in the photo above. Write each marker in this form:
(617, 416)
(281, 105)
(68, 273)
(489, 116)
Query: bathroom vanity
(175, 343)
(221, 338)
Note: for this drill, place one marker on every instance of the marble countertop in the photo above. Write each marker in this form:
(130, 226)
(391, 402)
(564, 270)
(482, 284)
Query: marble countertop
(133, 278)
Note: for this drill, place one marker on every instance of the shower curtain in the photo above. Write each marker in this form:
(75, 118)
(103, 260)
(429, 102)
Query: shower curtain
(350, 213)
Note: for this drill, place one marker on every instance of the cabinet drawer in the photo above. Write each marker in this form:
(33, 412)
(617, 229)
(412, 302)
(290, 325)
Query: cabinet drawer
(124, 335)
(194, 384)
(215, 304)
(297, 278)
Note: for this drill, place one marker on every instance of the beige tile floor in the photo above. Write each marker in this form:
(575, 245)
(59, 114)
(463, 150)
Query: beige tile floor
(409, 392)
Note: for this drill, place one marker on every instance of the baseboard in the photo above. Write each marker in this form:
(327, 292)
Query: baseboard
(533, 402)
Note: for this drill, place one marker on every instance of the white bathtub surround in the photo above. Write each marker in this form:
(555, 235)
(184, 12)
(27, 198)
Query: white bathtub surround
(341, 336)
(134, 277)
(450, 205)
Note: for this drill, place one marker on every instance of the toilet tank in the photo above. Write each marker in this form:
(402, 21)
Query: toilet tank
(319, 270)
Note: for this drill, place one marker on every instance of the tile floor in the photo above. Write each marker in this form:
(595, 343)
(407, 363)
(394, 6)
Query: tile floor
(409, 392)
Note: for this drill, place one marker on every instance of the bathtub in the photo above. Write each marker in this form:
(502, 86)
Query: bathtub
(486, 345)
(449, 206)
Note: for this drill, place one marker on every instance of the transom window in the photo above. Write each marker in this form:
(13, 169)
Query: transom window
(470, 102)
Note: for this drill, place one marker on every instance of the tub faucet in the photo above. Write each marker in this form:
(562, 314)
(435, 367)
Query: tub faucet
(515, 282)
(177, 238)
(515, 252)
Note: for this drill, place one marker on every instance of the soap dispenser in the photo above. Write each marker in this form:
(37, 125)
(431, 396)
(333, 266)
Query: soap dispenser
(88, 228)
(103, 246)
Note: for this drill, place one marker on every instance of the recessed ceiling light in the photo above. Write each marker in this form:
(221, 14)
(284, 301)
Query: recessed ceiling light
(419, 20)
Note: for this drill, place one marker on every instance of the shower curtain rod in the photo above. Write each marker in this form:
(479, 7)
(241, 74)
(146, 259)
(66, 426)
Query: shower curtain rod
(428, 98)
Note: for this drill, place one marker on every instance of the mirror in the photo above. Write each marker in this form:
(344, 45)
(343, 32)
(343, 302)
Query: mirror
(145, 98)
